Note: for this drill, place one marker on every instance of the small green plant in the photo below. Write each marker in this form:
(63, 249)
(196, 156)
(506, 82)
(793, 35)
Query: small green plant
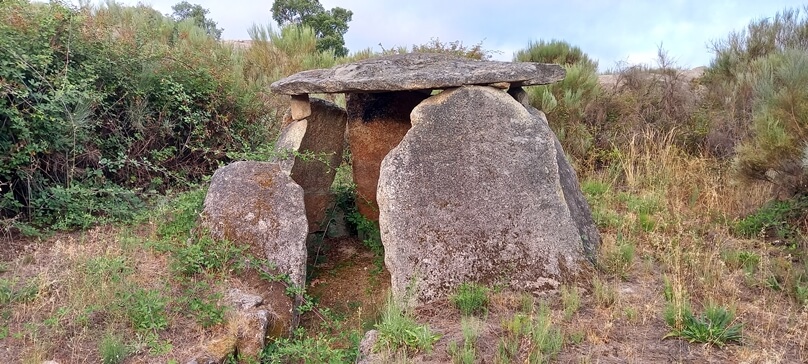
(605, 293)
(145, 309)
(716, 327)
(531, 334)
(748, 261)
(398, 330)
(112, 349)
(467, 352)
(204, 307)
(371, 237)
(773, 220)
(571, 300)
(471, 299)
(13, 292)
(302, 348)
(618, 259)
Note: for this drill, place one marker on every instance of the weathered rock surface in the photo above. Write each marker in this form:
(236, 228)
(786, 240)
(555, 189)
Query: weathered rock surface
(320, 137)
(366, 354)
(377, 123)
(473, 193)
(258, 205)
(574, 197)
(416, 71)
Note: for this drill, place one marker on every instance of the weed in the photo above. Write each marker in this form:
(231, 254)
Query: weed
(371, 237)
(467, 352)
(112, 349)
(748, 261)
(617, 259)
(398, 330)
(714, 327)
(532, 334)
(571, 300)
(13, 292)
(204, 307)
(308, 349)
(773, 220)
(605, 293)
(145, 309)
(471, 299)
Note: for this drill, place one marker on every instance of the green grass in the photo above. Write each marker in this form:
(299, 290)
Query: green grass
(398, 330)
(604, 292)
(716, 326)
(112, 349)
(466, 351)
(571, 300)
(471, 299)
(532, 334)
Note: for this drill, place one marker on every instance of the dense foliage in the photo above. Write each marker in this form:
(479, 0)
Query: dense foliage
(330, 26)
(96, 104)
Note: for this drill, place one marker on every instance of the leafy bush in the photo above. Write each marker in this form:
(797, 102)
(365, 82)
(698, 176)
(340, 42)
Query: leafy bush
(101, 104)
(566, 101)
(733, 78)
(308, 349)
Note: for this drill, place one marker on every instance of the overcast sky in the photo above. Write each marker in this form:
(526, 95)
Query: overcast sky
(610, 31)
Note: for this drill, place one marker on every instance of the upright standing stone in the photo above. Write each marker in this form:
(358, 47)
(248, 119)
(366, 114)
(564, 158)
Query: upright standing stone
(472, 193)
(576, 202)
(320, 139)
(377, 122)
(258, 205)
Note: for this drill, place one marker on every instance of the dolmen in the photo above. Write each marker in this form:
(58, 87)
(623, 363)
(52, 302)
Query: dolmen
(466, 179)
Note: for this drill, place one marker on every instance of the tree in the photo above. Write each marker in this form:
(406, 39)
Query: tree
(329, 26)
(198, 14)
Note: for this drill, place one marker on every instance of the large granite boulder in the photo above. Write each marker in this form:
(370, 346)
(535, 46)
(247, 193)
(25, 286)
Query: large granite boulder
(318, 140)
(416, 71)
(258, 205)
(576, 202)
(376, 124)
(473, 193)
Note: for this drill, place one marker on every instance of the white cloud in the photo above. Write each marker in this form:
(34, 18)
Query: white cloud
(608, 30)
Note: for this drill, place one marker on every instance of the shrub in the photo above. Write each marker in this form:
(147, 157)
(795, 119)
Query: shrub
(555, 51)
(732, 76)
(778, 148)
(566, 101)
(102, 104)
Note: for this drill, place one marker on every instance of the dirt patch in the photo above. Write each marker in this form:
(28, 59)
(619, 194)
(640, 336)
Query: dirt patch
(348, 281)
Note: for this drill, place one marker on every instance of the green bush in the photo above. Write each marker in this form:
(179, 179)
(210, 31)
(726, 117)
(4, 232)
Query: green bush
(778, 148)
(101, 104)
(566, 101)
(555, 51)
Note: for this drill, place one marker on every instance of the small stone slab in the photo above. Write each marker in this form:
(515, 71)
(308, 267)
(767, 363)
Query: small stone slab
(301, 107)
(416, 71)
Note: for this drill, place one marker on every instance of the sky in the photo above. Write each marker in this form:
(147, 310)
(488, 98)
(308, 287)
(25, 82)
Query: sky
(610, 31)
